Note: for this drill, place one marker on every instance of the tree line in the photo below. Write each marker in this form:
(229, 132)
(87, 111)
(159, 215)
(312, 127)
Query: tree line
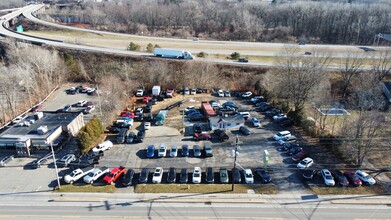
(312, 22)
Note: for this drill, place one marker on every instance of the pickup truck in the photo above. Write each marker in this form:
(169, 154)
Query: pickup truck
(92, 176)
(77, 174)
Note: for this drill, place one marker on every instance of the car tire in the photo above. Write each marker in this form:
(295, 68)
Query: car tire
(71, 182)
(91, 182)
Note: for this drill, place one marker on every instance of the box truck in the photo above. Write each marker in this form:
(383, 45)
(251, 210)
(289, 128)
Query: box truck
(178, 54)
(156, 90)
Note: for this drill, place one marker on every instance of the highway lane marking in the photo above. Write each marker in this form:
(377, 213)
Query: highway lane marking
(132, 217)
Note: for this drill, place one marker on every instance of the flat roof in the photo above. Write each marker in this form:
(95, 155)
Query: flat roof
(49, 119)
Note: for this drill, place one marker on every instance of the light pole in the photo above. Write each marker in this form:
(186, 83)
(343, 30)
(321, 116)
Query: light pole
(55, 166)
(235, 153)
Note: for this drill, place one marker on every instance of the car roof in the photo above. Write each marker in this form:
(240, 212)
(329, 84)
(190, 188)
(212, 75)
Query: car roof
(284, 132)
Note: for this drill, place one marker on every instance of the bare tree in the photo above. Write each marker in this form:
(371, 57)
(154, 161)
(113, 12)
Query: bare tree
(349, 67)
(381, 65)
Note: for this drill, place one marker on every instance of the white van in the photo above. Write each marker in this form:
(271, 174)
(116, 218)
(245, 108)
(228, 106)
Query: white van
(281, 134)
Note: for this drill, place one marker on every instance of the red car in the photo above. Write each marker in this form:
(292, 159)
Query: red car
(37, 108)
(127, 114)
(114, 174)
(299, 156)
(201, 136)
(145, 99)
(353, 178)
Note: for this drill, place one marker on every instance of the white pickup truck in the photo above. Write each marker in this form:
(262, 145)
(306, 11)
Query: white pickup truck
(77, 174)
(92, 176)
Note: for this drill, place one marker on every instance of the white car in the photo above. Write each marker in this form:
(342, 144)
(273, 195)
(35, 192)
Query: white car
(174, 151)
(77, 174)
(89, 109)
(17, 120)
(157, 175)
(105, 145)
(247, 94)
(140, 93)
(189, 108)
(245, 115)
(81, 103)
(327, 177)
(279, 117)
(248, 176)
(147, 125)
(193, 92)
(215, 105)
(305, 163)
(220, 93)
(256, 122)
(227, 93)
(287, 139)
(365, 178)
(139, 111)
(281, 134)
(197, 175)
(67, 159)
(162, 150)
(92, 176)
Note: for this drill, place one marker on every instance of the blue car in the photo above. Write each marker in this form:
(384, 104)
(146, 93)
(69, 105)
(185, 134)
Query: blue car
(150, 151)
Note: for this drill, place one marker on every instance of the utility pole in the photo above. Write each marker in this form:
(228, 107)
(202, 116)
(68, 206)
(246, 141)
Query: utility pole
(55, 167)
(235, 154)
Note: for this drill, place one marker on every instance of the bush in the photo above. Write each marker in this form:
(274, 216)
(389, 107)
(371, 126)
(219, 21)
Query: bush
(202, 54)
(90, 134)
(150, 48)
(235, 55)
(133, 46)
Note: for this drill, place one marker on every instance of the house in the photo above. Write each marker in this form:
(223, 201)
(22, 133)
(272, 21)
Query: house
(228, 122)
(387, 90)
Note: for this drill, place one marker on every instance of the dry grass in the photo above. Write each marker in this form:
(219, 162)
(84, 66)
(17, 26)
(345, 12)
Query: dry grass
(363, 190)
(87, 188)
(204, 188)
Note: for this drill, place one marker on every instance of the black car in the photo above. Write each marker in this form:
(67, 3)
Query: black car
(143, 175)
(209, 175)
(154, 100)
(243, 60)
(171, 178)
(197, 128)
(183, 178)
(229, 104)
(192, 111)
(309, 173)
(148, 107)
(340, 178)
(288, 146)
(185, 150)
(128, 177)
(220, 134)
(5, 160)
(130, 138)
(195, 113)
(236, 175)
(140, 136)
(148, 117)
(287, 122)
(294, 151)
(197, 151)
(244, 130)
(265, 178)
(272, 112)
(197, 118)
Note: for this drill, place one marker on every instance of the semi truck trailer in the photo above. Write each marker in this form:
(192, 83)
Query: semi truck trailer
(167, 53)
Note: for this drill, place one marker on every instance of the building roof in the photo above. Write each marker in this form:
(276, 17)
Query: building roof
(228, 119)
(51, 120)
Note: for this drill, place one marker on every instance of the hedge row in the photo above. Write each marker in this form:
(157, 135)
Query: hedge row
(89, 134)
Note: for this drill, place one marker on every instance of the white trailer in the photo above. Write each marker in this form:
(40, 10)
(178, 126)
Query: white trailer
(156, 90)
(178, 54)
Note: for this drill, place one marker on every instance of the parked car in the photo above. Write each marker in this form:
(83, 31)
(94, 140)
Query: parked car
(256, 122)
(201, 136)
(154, 100)
(305, 163)
(227, 93)
(171, 177)
(145, 99)
(220, 134)
(139, 93)
(248, 176)
(209, 175)
(95, 174)
(143, 178)
(223, 173)
(264, 175)
(5, 160)
(245, 115)
(365, 178)
(173, 151)
(279, 117)
(139, 111)
(247, 94)
(104, 146)
(114, 174)
(309, 173)
(150, 151)
(244, 130)
(281, 134)
(67, 108)
(128, 177)
(127, 114)
(186, 91)
(77, 174)
(131, 137)
(148, 117)
(198, 117)
(65, 160)
(170, 93)
(294, 151)
(299, 156)
(327, 177)
(157, 175)
(193, 92)
(197, 175)
(208, 150)
(185, 150)
(288, 146)
(287, 122)
(148, 107)
(287, 139)
(37, 108)
(89, 109)
(197, 151)
(340, 178)
(197, 128)
(220, 93)
(236, 175)
(183, 176)
(147, 125)
(162, 150)
(353, 178)
(140, 136)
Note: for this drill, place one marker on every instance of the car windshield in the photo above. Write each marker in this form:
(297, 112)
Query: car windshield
(143, 174)
(249, 175)
(91, 174)
(173, 150)
(223, 174)
(196, 175)
(161, 150)
(303, 162)
(156, 174)
(110, 174)
(329, 177)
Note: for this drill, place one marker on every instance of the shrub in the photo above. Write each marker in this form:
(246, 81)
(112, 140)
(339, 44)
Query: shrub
(89, 134)
(133, 46)
(202, 54)
(235, 55)
(150, 48)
